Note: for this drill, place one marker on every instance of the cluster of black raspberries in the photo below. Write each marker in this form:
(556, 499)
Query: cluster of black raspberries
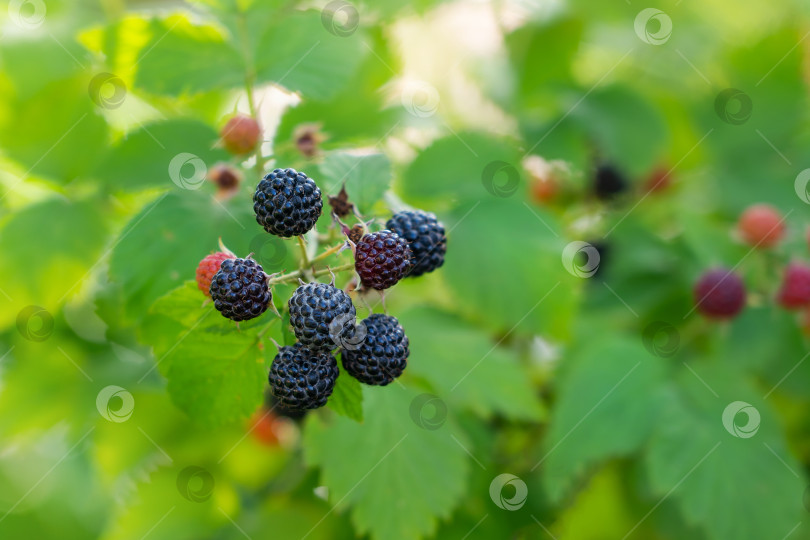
(287, 203)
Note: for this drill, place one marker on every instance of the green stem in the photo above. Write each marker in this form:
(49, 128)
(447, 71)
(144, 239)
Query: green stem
(305, 263)
(292, 276)
(250, 82)
(325, 254)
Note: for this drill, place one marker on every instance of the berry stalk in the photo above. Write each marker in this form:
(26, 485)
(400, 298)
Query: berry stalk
(293, 276)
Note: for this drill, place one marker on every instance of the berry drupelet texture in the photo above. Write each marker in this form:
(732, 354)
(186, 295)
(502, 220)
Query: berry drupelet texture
(322, 316)
(239, 289)
(301, 379)
(207, 268)
(425, 236)
(382, 355)
(382, 259)
(719, 294)
(287, 203)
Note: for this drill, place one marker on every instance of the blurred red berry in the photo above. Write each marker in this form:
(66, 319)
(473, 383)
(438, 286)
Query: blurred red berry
(761, 225)
(241, 134)
(263, 427)
(795, 290)
(719, 294)
(207, 268)
(543, 190)
(658, 180)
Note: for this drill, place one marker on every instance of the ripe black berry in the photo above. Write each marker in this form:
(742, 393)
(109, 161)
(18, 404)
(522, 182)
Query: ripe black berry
(271, 403)
(425, 236)
(302, 379)
(239, 289)
(382, 354)
(287, 203)
(381, 259)
(608, 182)
(322, 316)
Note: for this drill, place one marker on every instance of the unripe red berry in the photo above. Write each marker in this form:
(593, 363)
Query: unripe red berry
(241, 134)
(544, 190)
(795, 290)
(658, 180)
(207, 268)
(761, 225)
(719, 294)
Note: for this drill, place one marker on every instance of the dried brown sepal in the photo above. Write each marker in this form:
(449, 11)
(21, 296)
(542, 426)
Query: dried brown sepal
(341, 206)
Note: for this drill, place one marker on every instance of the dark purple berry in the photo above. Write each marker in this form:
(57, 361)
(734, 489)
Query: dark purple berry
(719, 294)
(382, 259)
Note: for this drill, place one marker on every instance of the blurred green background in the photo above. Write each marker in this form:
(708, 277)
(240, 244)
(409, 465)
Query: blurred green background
(554, 390)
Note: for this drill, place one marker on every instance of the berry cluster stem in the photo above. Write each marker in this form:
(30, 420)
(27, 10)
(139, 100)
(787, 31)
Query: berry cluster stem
(305, 263)
(331, 251)
(293, 276)
(250, 82)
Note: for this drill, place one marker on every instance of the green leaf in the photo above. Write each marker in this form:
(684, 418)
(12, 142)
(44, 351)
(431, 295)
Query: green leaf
(347, 398)
(629, 129)
(183, 58)
(519, 277)
(356, 113)
(216, 371)
(48, 249)
(163, 244)
(173, 315)
(217, 375)
(366, 176)
(423, 470)
(467, 166)
(742, 488)
(33, 64)
(298, 52)
(56, 132)
(533, 41)
(125, 168)
(608, 403)
(467, 369)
